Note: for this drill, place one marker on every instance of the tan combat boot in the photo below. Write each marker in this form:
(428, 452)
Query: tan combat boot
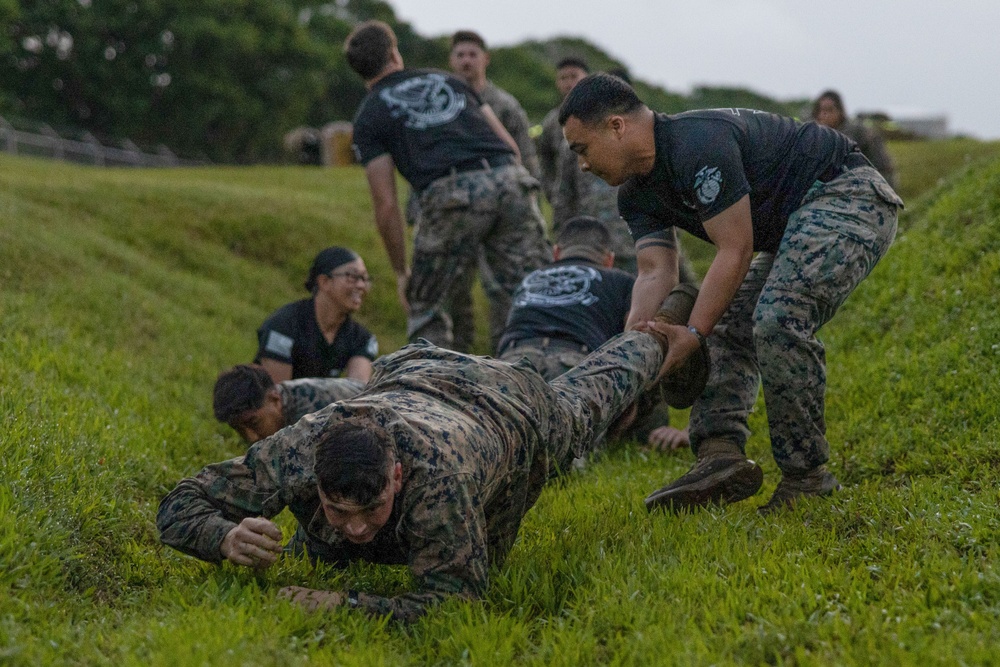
(816, 482)
(723, 474)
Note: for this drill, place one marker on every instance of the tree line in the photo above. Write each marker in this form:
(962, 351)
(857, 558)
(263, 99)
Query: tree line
(225, 79)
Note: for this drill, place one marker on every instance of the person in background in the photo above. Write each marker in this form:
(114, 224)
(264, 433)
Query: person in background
(475, 196)
(316, 337)
(551, 144)
(828, 109)
(246, 398)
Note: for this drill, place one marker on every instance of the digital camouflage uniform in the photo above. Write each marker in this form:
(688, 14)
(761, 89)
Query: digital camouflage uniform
(550, 150)
(495, 210)
(514, 119)
(477, 439)
(831, 243)
(872, 145)
(307, 395)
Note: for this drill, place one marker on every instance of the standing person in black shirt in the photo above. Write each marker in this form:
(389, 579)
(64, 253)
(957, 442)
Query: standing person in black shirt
(800, 195)
(474, 194)
(316, 337)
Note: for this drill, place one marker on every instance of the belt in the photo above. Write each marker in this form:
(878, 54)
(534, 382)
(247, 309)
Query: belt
(544, 342)
(852, 160)
(483, 163)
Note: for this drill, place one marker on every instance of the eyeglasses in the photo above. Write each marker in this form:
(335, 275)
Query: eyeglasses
(362, 278)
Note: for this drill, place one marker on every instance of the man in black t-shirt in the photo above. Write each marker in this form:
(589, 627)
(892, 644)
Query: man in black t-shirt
(474, 194)
(800, 195)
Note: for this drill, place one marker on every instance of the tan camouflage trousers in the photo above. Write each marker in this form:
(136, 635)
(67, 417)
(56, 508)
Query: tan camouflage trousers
(768, 334)
(493, 212)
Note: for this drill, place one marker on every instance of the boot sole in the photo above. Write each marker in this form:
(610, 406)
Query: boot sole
(731, 485)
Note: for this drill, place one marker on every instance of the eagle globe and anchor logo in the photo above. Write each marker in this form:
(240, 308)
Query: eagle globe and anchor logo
(427, 100)
(559, 286)
(708, 184)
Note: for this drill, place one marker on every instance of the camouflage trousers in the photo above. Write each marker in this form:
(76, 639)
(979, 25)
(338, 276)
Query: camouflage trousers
(768, 334)
(490, 211)
(552, 358)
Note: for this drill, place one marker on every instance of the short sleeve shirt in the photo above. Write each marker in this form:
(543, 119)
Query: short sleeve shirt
(428, 121)
(572, 299)
(292, 335)
(707, 160)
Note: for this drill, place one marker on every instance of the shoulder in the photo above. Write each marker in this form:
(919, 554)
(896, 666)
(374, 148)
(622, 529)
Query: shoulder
(291, 313)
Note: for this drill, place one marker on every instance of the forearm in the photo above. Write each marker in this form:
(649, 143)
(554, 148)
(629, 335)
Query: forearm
(408, 607)
(389, 222)
(648, 293)
(190, 522)
(723, 278)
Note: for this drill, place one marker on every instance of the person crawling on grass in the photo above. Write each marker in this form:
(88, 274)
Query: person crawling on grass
(247, 399)
(433, 466)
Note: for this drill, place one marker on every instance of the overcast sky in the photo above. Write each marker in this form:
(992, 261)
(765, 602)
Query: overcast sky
(916, 58)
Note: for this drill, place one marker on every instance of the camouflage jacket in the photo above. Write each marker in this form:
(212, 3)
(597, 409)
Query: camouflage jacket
(872, 145)
(515, 121)
(307, 395)
(477, 439)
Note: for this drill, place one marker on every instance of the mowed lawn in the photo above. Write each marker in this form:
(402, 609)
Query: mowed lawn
(123, 294)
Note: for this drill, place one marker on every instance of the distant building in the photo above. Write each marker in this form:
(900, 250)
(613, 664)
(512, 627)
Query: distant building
(927, 127)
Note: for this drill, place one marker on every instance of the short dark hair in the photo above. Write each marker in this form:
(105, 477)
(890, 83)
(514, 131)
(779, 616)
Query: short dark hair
(834, 97)
(239, 389)
(585, 230)
(368, 48)
(468, 36)
(573, 61)
(598, 96)
(352, 462)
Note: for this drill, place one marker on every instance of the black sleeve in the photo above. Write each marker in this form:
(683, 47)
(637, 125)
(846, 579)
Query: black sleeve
(276, 339)
(362, 343)
(366, 142)
(712, 178)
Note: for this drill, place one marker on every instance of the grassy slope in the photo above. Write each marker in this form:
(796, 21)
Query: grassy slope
(124, 292)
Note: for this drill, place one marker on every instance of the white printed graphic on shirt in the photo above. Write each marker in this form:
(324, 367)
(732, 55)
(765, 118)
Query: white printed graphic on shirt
(279, 343)
(558, 286)
(427, 101)
(708, 184)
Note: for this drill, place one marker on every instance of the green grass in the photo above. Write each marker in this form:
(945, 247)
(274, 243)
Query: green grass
(125, 292)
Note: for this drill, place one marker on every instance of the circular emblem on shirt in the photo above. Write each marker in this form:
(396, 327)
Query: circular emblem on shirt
(427, 100)
(558, 286)
(708, 184)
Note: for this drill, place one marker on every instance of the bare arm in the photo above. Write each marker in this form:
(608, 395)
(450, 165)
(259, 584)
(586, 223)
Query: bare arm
(501, 131)
(732, 233)
(278, 370)
(381, 174)
(358, 368)
(656, 256)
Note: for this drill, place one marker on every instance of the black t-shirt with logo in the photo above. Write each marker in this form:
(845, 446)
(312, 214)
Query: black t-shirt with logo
(572, 299)
(292, 335)
(428, 121)
(707, 160)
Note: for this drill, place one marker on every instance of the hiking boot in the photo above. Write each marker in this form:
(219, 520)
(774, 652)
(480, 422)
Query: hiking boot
(817, 482)
(714, 479)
